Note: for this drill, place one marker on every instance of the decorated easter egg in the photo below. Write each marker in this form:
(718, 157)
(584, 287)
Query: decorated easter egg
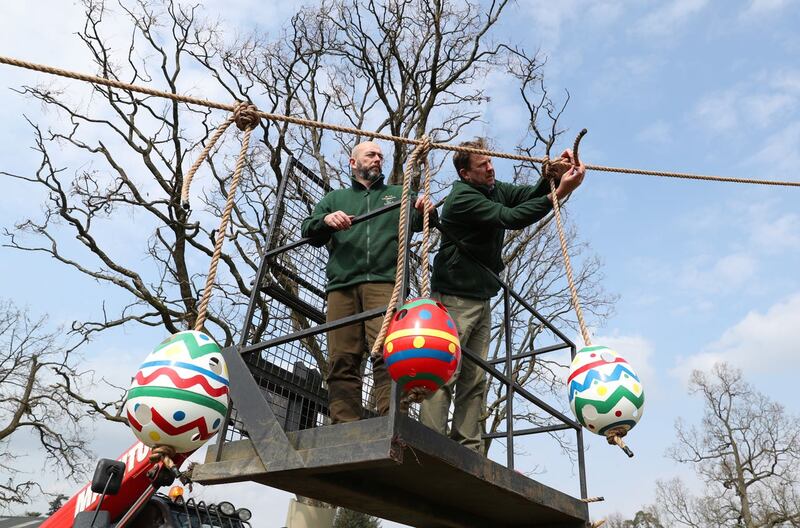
(422, 347)
(179, 396)
(605, 393)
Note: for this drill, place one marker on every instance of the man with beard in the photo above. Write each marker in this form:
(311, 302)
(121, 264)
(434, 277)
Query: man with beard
(475, 217)
(361, 270)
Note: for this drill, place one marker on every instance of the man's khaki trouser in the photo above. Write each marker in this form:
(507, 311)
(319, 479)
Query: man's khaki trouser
(348, 346)
(473, 320)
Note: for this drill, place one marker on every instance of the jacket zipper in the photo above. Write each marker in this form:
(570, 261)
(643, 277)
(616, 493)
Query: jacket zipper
(368, 241)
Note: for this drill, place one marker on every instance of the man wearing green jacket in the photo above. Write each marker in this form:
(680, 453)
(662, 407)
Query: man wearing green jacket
(361, 269)
(475, 216)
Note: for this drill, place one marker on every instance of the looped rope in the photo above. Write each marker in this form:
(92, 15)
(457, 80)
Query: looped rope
(563, 240)
(187, 180)
(202, 308)
(246, 116)
(402, 246)
(546, 168)
(425, 146)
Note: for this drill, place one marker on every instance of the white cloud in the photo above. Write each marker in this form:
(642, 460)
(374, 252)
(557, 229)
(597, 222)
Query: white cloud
(550, 18)
(717, 274)
(764, 7)
(758, 343)
(658, 132)
(777, 234)
(764, 108)
(788, 81)
(779, 156)
(667, 19)
(718, 111)
(637, 350)
(759, 102)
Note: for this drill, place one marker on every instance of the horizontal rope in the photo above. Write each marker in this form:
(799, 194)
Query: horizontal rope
(374, 135)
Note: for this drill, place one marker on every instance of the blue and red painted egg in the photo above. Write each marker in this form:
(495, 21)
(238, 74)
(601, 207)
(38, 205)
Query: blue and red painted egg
(422, 347)
(605, 393)
(179, 396)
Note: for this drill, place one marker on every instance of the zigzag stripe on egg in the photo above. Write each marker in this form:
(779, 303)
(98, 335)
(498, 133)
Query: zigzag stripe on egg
(605, 393)
(182, 383)
(179, 396)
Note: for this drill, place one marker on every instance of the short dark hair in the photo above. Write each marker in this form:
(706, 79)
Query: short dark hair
(461, 160)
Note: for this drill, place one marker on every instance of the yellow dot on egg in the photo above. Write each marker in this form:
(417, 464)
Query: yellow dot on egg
(419, 342)
(154, 436)
(389, 346)
(173, 351)
(602, 390)
(452, 348)
(636, 387)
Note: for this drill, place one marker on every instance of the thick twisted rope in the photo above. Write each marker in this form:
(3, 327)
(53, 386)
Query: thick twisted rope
(246, 118)
(402, 247)
(187, 180)
(425, 282)
(614, 436)
(573, 290)
(113, 83)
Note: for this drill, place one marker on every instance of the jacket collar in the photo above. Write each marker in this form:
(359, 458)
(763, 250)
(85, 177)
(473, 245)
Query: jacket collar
(358, 186)
(484, 189)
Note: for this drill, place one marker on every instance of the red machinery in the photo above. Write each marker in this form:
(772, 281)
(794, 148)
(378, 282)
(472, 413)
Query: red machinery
(136, 488)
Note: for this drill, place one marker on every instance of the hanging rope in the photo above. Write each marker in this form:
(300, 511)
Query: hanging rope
(187, 180)
(425, 282)
(374, 135)
(613, 436)
(246, 118)
(573, 290)
(402, 248)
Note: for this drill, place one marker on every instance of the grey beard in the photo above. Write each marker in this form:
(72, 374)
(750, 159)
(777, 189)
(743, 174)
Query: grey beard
(370, 175)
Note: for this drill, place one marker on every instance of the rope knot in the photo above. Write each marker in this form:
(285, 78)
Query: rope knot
(163, 454)
(416, 395)
(245, 115)
(546, 167)
(159, 452)
(423, 148)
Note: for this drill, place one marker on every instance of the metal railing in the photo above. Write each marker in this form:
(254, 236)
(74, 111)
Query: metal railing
(311, 399)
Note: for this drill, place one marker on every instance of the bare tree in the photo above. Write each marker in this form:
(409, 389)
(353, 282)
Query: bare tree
(647, 517)
(745, 452)
(33, 404)
(406, 67)
(352, 519)
(422, 59)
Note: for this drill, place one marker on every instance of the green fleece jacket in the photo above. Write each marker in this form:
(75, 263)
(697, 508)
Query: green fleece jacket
(367, 252)
(477, 217)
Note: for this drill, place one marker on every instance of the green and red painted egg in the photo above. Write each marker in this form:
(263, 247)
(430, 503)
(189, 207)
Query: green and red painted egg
(422, 348)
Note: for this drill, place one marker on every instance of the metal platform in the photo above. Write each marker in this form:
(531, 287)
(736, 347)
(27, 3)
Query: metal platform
(277, 433)
(400, 471)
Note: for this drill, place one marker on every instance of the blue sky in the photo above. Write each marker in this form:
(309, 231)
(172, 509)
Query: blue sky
(704, 271)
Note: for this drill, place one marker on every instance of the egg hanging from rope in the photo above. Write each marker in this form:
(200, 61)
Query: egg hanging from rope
(179, 396)
(605, 393)
(422, 349)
